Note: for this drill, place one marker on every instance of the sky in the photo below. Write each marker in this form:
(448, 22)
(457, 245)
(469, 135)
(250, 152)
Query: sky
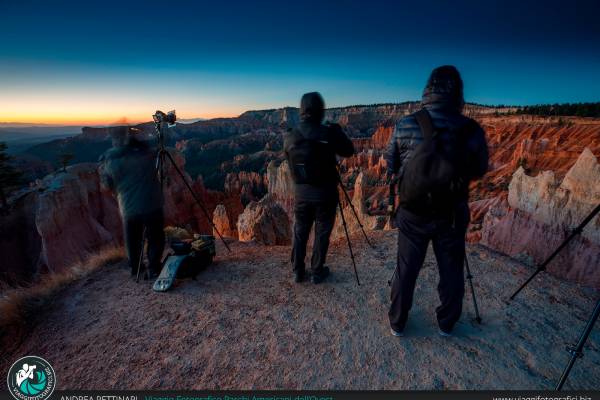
(96, 62)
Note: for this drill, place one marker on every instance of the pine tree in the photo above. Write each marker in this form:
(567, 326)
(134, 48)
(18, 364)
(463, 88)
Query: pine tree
(65, 159)
(9, 175)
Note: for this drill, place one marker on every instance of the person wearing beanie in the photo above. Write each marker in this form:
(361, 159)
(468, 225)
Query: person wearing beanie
(434, 154)
(311, 149)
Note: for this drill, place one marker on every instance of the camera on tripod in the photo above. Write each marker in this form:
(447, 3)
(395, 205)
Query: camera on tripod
(169, 117)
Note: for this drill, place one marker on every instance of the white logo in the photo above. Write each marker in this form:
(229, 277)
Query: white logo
(31, 378)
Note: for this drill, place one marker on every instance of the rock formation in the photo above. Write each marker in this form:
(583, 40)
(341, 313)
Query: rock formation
(539, 213)
(359, 118)
(359, 201)
(478, 210)
(281, 185)
(264, 222)
(534, 143)
(67, 217)
(223, 223)
(240, 159)
(248, 186)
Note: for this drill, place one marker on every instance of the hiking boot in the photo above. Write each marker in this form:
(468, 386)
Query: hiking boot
(319, 276)
(443, 333)
(396, 333)
(299, 276)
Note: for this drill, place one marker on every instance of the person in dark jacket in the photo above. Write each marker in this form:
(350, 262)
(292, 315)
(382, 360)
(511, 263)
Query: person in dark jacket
(128, 169)
(315, 202)
(445, 228)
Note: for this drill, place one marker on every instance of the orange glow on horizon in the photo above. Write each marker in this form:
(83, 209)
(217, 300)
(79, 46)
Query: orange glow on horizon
(99, 118)
(106, 109)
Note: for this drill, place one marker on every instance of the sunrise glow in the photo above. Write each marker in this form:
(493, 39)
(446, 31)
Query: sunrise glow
(75, 69)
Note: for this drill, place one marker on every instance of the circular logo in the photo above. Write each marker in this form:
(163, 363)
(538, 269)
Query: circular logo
(31, 378)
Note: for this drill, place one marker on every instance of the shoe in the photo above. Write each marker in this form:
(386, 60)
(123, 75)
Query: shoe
(443, 333)
(396, 333)
(320, 276)
(299, 276)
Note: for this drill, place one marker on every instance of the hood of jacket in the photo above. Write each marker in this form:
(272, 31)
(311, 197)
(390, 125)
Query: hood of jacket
(312, 108)
(444, 90)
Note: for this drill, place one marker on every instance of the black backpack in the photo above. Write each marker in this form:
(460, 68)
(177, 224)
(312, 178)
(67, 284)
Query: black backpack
(311, 161)
(433, 179)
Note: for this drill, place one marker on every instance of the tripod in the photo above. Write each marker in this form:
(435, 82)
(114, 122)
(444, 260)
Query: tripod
(349, 243)
(575, 232)
(162, 156)
(470, 278)
(139, 266)
(339, 178)
(577, 350)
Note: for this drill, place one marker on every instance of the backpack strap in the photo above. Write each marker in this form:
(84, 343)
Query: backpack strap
(425, 123)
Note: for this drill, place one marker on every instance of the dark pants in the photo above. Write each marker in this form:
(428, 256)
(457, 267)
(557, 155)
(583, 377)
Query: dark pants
(322, 214)
(448, 239)
(134, 231)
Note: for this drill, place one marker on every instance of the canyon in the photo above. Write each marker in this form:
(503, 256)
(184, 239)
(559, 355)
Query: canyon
(543, 180)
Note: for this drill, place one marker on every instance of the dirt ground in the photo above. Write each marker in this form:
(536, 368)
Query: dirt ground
(245, 325)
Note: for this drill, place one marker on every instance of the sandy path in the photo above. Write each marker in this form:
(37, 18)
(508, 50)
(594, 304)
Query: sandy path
(244, 325)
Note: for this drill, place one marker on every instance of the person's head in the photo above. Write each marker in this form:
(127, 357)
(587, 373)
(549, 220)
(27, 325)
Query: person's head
(312, 107)
(444, 86)
(119, 135)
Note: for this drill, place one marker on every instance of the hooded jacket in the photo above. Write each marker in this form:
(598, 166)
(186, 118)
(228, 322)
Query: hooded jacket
(312, 111)
(130, 172)
(443, 99)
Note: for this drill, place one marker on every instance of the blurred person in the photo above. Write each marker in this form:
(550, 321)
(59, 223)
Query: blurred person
(128, 169)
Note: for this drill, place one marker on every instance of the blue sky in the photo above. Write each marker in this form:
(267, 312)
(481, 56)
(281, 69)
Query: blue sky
(78, 62)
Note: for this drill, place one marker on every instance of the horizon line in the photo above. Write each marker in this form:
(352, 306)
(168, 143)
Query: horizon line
(119, 120)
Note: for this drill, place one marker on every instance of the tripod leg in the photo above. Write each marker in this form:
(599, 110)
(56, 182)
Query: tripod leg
(574, 233)
(537, 271)
(362, 229)
(577, 351)
(191, 190)
(347, 196)
(158, 168)
(470, 278)
(349, 243)
(139, 266)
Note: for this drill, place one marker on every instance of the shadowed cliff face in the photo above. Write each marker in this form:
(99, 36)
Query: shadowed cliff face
(64, 219)
(67, 217)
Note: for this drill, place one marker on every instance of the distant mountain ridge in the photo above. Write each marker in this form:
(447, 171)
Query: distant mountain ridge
(215, 147)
